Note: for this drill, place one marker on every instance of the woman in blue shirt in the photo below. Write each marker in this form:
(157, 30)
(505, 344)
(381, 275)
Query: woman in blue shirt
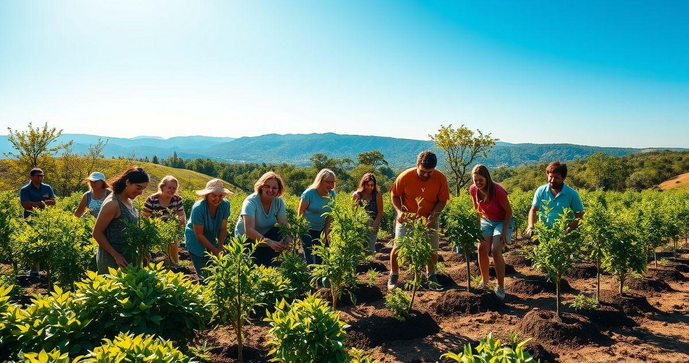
(261, 212)
(313, 204)
(206, 229)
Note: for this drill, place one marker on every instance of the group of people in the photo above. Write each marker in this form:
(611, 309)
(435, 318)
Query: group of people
(421, 191)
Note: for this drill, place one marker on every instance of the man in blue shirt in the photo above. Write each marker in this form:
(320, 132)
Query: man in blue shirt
(36, 195)
(558, 196)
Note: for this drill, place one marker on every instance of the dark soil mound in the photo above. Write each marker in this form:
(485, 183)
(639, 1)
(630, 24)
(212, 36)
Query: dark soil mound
(608, 315)
(539, 353)
(384, 249)
(383, 327)
(631, 304)
(363, 294)
(462, 302)
(249, 354)
(667, 273)
(648, 284)
(679, 260)
(571, 330)
(518, 260)
(372, 265)
(583, 271)
(446, 281)
(381, 256)
(536, 285)
(450, 257)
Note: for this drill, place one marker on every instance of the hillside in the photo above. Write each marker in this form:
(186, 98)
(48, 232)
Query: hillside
(680, 181)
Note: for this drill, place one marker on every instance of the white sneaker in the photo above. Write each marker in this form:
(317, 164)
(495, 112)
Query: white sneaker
(500, 293)
(392, 281)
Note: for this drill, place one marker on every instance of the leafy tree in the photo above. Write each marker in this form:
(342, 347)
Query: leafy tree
(651, 226)
(34, 145)
(624, 252)
(9, 211)
(462, 146)
(463, 229)
(374, 158)
(606, 172)
(599, 232)
(414, 249)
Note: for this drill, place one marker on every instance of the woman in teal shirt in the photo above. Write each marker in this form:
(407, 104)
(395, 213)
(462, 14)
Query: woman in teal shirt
(314, 202)
(206, 229)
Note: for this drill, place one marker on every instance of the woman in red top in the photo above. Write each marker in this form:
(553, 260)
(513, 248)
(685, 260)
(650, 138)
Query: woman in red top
(490, 200)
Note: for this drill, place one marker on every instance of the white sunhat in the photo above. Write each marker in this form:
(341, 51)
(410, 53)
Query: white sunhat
(214, 186)
(96, 175)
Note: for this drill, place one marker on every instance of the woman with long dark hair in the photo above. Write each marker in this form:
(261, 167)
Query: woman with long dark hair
(370, 198)
(117, 208)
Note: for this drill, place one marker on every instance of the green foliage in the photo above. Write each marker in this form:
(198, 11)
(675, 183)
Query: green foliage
(272, 286)
(398, 301)
(348, 244)
(556, 249)
(33, 146)
(298, 226)
(293, 268)
(306, 331)
(415, 251)
(520, 202)
(146, 236)
(359, 356)
(490, 350)
(10, 209)
(60, 242)
(371, 277)
(624, 253)
(135, 348)
(583, 302)
(463, 228)
(233, 285)
(54, 356)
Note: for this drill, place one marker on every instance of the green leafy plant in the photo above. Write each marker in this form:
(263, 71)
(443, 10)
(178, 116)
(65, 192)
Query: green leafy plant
(491, 350)
(307, 330)
(293, 267)
(347, 248)
(9, 211)
(232, 286)
(146, 236)
(359, 356)
(272, 286)
(415, 251)
(652, 223)
(371, 277)
(54, 356)
(476, 281)
(583, 302)
(398, 301)
(598, 234)
(135, 348)
(557, 248)
(624, 254)
(463, 229)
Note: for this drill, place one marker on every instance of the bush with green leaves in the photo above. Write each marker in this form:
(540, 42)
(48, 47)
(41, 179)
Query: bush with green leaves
(463, 229)
(306, 330)
(599, 231)
(491, 350)
(135, 348)
(58, 241)
(54, 356)
(521, 204)
(293, 267)
(415, 252)
(10, 210)
(651, 224)
(398, 301)
(232, 285)
(347, 248)
(557, 248)
(145, 236)
(624, 253)
(359, 356)
(272, 286)
(149, 300)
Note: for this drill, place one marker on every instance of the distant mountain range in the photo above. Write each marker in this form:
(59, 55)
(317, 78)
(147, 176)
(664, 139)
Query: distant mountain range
(298, 148)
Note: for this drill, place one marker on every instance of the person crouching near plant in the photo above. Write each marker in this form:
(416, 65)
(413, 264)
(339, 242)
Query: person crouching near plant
(370, 198)
(94, 198)
(117, 208)
(490, 200)
(165, 204)
(312, 205)
(261, 213)
(428, 185)
(206, 229)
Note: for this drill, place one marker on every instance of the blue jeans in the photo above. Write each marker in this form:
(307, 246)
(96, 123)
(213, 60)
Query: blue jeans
(307, 241)
(199, 264)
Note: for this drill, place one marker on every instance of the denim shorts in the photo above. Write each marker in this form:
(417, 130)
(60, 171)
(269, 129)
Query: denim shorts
(494, 228)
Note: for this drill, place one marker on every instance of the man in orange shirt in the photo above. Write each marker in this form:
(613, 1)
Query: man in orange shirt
(430, 185)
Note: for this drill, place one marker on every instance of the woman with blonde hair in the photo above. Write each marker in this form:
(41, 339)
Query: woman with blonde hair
(164, 204)
(490, 200)
(261, 213)
(370, 198)
(312, 205)
(206, 229)
(94, 198)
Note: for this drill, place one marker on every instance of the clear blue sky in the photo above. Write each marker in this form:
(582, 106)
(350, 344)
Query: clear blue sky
(610, 73)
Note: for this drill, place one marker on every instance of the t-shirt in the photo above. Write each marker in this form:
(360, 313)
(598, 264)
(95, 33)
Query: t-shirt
(29, 193)
(152, 206)
(492, 209)
(317, 206)
(211, 226)
(566, 198)
(253, 207)
(408, 186)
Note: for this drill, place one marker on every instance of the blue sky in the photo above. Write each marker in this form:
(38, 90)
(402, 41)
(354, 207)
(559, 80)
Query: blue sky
(609, 73)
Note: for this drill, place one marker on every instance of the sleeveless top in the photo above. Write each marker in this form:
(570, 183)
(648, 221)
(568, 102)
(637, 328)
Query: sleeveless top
(372, 206)
(115, 230)
(95, 204)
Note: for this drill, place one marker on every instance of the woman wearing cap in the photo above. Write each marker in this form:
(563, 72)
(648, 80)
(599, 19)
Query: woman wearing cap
(261, 212)
(313, 204)
(370, 198)
(110, 224)
(164, 204)
(207, 226)
(94, 198)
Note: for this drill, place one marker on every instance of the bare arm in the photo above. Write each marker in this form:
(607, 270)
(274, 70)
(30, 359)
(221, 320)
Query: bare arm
(397, 203)
(577, 219)
(302, 207)
(435, 213)
(198, 231)
(81, 208)
(379, 215)
(109, 211)
(533, 216)
(222, 235)
(505, 203)
(253, 234)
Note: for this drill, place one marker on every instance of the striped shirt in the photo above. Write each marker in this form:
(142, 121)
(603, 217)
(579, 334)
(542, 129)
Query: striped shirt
(153, 206)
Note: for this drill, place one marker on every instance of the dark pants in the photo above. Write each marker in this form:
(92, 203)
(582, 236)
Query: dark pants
(265, 255)
(199, 264)
(308, 240)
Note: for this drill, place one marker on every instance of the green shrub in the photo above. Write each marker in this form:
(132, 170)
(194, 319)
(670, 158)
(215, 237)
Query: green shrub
(9, 211)
(490, 350)
(583, 302)
(54, 356)
(398, 301)
(306, 331)
(293, 267)
(272, 286)
(415, 251)
(146, 236)
(359, 356)
(139, 348)
(463, 228)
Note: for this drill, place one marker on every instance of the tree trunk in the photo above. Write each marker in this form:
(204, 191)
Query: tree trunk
(674, 248)
(334, 294)
(655, 258)
(598, 280)
(466, 256)
(240, 356)
(622, 277)
(413, 292)
(557, 296)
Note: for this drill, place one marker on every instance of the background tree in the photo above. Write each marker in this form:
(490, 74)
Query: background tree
(461, 147)
(34, 145)
(374, 158)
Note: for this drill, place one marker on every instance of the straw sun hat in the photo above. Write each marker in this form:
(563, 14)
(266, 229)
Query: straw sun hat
(213, 186)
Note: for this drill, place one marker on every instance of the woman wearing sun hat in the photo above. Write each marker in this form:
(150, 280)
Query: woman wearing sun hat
(93, 199)
(207, 226)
